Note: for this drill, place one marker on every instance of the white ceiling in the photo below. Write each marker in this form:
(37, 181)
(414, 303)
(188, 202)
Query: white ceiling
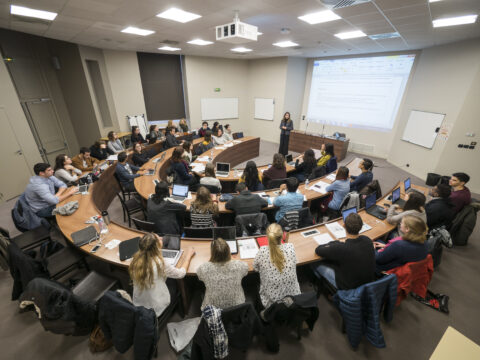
(98, 23)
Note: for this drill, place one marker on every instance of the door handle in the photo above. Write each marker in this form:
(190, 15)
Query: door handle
(19, 152)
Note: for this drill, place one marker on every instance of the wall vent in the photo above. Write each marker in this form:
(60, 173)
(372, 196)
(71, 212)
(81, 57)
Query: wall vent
(365, 149)
(338, 4)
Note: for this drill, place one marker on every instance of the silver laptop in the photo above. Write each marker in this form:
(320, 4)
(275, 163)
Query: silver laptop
(179, 192)
(223, 169)
(171, 256)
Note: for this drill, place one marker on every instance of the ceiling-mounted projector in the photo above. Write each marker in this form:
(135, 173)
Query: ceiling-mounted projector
(236, 32)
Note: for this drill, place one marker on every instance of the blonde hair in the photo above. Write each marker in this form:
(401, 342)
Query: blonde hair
(275, 234)
(417, 229)
(149, 255)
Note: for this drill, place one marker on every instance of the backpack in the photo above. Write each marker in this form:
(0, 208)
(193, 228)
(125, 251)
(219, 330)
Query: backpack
(437, 238)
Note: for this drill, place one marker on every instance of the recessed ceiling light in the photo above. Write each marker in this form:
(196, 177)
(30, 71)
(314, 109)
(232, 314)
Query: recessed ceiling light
(241, 49)
(434, 1)
(285, 44)
(459, 20)
(137, 31)
(200, 42)
(24, 11)
(391, 35)
(319, 17)
(350, 34)
(178, 15)
(169, 48)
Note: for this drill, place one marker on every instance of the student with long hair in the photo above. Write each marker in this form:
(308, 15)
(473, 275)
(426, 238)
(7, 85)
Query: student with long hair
(227, 134)
(327, 153)
(155, 134)
(305, 168)
(410, 247)
(222, 277)
(99, 150)
(114, 144)
(286, 125)
(149, 273)
(184, 176)
(252, 177)
(166, 213)
(206, 144)
(209, 178)
(278, 170)
(183, 125)
(276, 264)
(414, 205)
(218, 138)
(136, 136)
(64, 170)
(188, 152)
(215, 127)
(139, 157)
(340, 188)
(203, 205)
(172, 125)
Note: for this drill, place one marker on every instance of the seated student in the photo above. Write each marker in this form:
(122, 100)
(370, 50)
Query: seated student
(222, 277)
(305, 168)
(209, 178)
(170, 139)
(183, 174)
(125, 172)
(290, 201)
(348, 263)
(149, 273)
(460, 195)
(202, 131)
(357, 183)
(99, 150)
(136, 137)
(183, 125)
(64, 170)
(172, 125)
(439, 209)
(218, 138)
(228, 135)
(84, 161)
(276, 171)
(164, 211)
(114, 144)
(340, 188)
(188, 152)
(40, 192)
(277, 266)
(206, 144)
(327, 154)
(215, 127)
(414, 205)
(252, 177)
(245, 202)
(155, 134)
(203, 205)
(410, 248)
(139, 157)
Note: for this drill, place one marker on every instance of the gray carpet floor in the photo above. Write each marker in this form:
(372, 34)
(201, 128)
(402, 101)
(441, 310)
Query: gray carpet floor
(413, 334)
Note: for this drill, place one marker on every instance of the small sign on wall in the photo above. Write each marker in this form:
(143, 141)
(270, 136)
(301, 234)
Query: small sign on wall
(216, 89)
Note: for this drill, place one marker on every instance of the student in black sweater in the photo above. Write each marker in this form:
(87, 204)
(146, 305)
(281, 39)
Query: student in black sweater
(348, 263)
(245, 202)
(139, 157)
(357, 183)
(304, 169)
(136, 137)
(164, 212)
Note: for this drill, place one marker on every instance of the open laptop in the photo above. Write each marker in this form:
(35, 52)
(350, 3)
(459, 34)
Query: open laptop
(227, 233)
(82, 189)
(223, 169)
(128, 248)
(345, 213)
(289, 160)
(407, 184)
(171, 249)
(373, 209)
(396, 198)
(179, 192)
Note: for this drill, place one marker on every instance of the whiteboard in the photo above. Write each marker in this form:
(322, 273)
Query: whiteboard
(219, 108)
(422, 128)
(264, 108)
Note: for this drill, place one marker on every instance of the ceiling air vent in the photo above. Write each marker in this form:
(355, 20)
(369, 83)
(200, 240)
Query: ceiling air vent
(338, 4)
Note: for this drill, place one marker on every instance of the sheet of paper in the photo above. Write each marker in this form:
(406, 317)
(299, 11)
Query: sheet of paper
(220, 147)
(198, 168)
(364, 228)
(233, 246)
(320, 187)
(229, 144)
(323, 239)
(247, 248)
(202, 158)
(112, 244)
(336, 229)
(237, 141)
(112, 157)
(332, 177)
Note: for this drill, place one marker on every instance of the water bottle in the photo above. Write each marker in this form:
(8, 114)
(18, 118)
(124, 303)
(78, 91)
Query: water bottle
(89, 179)
(102, 226)
(306, 183)
(106, 217)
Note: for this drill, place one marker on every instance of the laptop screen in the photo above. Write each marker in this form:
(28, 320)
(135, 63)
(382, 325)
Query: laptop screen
(180, 190)
(395, 195)
(406, 184)
(223, 167)
(370, 200)
(226, 233)
(289, 158)
(347, 212)
(239, 135)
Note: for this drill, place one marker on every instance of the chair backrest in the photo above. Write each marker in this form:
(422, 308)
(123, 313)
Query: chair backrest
(201, 220)
(144, 225)
(331, 165)
(225, 232)
(305, 218)
(319, 171)
(251, 224)
(199, 233)
(290, 220)
(212, 188)
(275, 183)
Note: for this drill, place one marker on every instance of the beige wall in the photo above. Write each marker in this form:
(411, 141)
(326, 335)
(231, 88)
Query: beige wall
(204, 74)
(445, 81)
(125, 84)
(10, 103)
(294, 88)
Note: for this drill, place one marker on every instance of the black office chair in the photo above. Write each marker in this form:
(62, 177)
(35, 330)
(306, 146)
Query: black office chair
(199, 233)
(225, 232)
(30, 238)
(144, 225)
(124, 191)
(273, 184)
(130, 207)
(251, 224)
(92, 287)
(319, 171)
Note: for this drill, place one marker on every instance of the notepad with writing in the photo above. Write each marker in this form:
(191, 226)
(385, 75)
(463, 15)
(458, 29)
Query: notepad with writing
(247, 248)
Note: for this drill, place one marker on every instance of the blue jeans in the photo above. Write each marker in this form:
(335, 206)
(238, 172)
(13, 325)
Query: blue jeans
(46, 212)
(326, 272)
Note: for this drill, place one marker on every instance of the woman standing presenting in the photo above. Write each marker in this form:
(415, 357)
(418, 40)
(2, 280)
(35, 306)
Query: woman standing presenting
(286, 125)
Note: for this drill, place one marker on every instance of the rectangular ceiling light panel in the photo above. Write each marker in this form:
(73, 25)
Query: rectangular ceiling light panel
(178, 15)
(40, 14)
